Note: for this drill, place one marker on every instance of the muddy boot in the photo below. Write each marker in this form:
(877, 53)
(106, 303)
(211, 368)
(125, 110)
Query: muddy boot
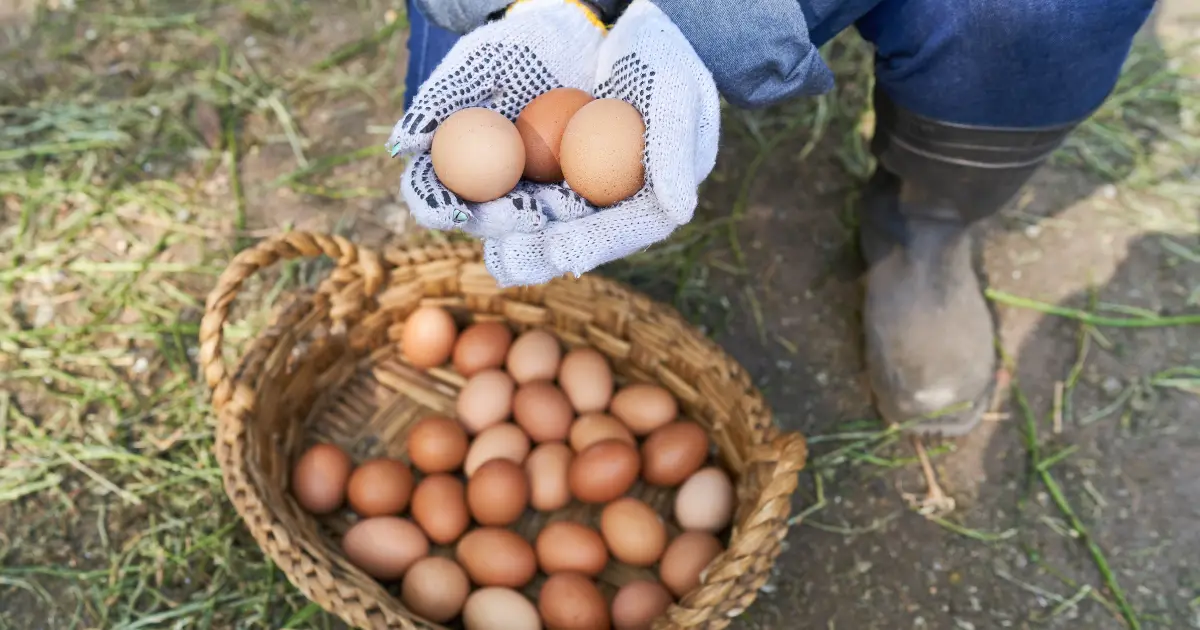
(929, 332)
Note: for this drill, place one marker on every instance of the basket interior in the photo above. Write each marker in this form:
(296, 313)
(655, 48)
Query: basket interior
(319, 377)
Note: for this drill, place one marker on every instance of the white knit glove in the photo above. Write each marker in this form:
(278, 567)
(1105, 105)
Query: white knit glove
(646, 61)
(539, 45)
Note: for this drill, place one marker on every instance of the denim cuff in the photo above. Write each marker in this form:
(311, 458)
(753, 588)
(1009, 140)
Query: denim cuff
(758, 52)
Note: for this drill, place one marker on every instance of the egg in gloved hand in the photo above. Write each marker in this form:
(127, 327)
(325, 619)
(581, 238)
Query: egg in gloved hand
(542, 124)
(478, 154)
(602, 150)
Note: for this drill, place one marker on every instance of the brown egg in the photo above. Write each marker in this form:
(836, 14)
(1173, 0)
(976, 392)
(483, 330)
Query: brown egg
(497, 557)
(439, 506)
(644, 407)
(602, 151)
(547, 468)
(319, 478)
(597, 427)
(485, 400)
(705, 501)
(587, 379)
(496, 608)
(428, 337)
(543, 411)
(498, 493)
(435, 588)
(379, 487)
(570, 601)
(638, 603)
(564, 546)
(633, 531)
(478, 154)
(673, 452)
(482, 346)
(534, 356)
(503, 441)
(437, 444)
(685, 559)
(603, 472)
(385, 546)
(541, 125)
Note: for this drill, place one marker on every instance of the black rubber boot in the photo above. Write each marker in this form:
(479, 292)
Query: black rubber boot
(929, 333)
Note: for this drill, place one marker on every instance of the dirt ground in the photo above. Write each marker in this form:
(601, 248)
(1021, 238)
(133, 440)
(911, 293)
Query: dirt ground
(140, 141)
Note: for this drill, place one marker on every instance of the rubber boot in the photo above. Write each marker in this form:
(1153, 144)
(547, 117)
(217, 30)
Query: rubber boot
(929, 333)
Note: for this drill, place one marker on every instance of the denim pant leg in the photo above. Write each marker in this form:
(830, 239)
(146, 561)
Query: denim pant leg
(427, 45)
(1002, 63)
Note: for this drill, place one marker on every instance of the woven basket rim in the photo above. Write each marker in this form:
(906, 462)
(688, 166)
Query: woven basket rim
(725, 591)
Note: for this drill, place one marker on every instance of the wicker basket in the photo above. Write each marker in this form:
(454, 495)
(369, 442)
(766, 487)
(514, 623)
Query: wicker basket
(327, 368)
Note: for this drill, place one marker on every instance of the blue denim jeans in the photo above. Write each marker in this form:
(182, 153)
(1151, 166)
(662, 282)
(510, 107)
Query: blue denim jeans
(427, 45)
(991, 63)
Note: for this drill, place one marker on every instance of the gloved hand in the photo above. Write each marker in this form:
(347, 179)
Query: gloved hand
(646, 61)
(539, 45)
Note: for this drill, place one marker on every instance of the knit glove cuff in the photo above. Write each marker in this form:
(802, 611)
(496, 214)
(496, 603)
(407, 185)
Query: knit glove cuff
(538, 46)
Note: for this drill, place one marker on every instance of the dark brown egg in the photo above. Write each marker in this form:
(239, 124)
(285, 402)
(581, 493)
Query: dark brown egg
(685, 560)
(541, 125)
(497, 557)
(439, 506)
(481, 346)
(543, 411)
(380, 487)
(603, 471)
(319, 478)
(437, 444)
(673, 452)
(498, 493)
(565, 546)
(638, 604)
(570, 601)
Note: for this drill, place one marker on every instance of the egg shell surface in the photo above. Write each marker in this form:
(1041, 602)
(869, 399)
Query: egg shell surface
(439, 506)
(428, 337)
(478, 154)
(481, 346)
(319, 478)
(502, 441)
(379, 487)
(494, 556)
(604, 471)
(541, 125)
(385, 546)
(602, 150)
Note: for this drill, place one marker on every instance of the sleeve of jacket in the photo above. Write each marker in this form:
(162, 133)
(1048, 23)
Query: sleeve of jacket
(462, 16)
(759, 52)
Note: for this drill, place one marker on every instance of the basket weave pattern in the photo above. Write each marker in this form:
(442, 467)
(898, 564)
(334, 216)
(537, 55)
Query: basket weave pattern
(327, 368)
